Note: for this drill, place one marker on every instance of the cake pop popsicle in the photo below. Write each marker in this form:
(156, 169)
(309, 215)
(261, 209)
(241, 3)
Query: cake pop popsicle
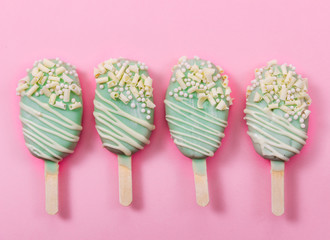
(51, 111)
(123, 113)
(277, 117)
(197, 104)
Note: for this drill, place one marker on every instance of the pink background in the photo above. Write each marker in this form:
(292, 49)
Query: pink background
(237, 35)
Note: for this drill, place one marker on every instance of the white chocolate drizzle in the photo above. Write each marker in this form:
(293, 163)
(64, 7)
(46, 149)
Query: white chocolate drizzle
(278, 125)
(108, 115)
(39, 134)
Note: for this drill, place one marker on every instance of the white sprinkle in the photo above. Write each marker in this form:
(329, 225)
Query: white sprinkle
(148, 117)
(302, 125)
(143, 105)
(148, 111)
(109, 90)
(290, 119)
(61, 96)
(121, 89)
(185, 94)
(295, 117)
(139, 99)
(143, 99)
(101, 86)
(133, 105)
(301, 120)
(181, 93)
(217, 100)
(130, 97)
(176, 95)
(170, 93)
(190, 96)
(176, 90)
(143, 110)
(286, 115)
(173, 79)
(115, 89)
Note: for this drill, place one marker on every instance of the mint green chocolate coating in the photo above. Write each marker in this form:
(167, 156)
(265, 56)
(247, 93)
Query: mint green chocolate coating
(184, 125)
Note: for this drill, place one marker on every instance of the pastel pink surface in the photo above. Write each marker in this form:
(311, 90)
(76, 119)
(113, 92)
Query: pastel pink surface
(237, 35)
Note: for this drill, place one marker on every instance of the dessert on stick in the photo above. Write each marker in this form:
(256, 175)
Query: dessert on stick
(51, 111)
(197, 104)
(277, 117)
(123, 111)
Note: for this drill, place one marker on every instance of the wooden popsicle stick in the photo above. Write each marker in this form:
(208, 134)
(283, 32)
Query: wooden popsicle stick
(201, 185)
(125, 180)
(51, 181)
(277, 172)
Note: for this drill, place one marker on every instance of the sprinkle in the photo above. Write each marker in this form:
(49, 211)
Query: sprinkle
(60, 105)
(46, 91)
(257, 97)
(48, 63)
(74, 88)
(52, 78)
(150, 104)
(60, 70)
(43, 68)
(66, 78)
(222, 105)
(32, 90)
(148, 117)
(302, 125)
(123, 98)
(133, 105)
(22, 87)
(75, 105)
(143, 110)
(102, 80)
(114, 95)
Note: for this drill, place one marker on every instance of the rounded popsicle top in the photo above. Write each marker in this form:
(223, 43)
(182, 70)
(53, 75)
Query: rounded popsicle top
(277, 111)
(51, 109)
(124, 107)
(197, 103)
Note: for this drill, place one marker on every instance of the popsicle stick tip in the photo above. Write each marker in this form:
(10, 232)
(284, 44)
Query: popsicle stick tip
(201, 183)
(277, 177)
(125, 180)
